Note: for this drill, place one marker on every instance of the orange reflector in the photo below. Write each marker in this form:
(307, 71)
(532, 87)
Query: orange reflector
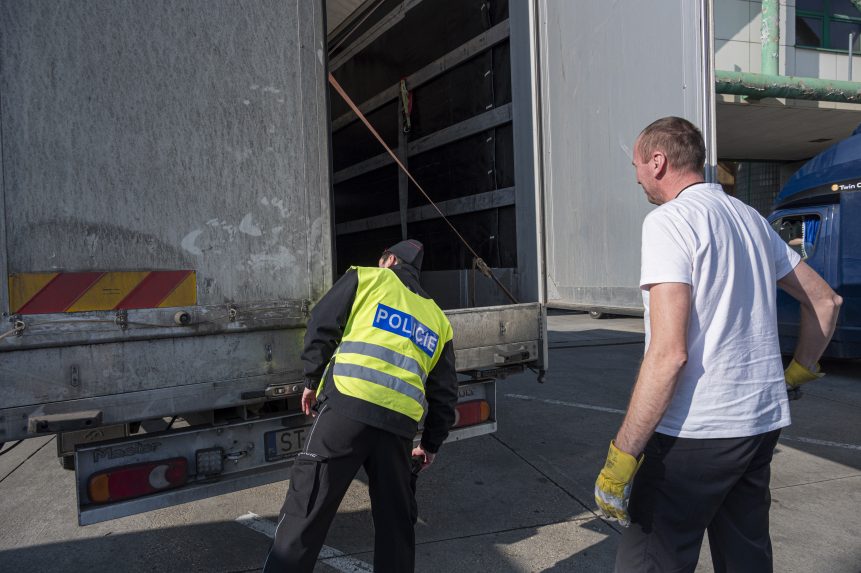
(471, 413)
(132, 481)
(99, 487)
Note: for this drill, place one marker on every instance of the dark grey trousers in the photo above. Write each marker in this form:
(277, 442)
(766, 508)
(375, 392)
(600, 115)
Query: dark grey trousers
(688, 486)
(337, 447)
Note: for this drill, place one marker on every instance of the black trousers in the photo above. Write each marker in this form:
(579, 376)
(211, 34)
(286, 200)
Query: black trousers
(687, 486)
(336, 448)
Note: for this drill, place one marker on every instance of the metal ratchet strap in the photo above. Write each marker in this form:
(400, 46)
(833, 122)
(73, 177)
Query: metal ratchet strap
(482, 266)
(406, 105)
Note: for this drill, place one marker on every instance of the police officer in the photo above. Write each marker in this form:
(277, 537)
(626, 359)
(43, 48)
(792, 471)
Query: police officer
(378, 356)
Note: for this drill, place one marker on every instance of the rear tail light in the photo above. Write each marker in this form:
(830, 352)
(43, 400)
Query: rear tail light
(471, 413)
(127, 482)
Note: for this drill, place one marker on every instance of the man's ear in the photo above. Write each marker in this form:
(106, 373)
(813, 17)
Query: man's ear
(659, 163)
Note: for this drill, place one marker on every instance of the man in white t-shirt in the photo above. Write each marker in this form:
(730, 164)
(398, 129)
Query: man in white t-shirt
(711, 394)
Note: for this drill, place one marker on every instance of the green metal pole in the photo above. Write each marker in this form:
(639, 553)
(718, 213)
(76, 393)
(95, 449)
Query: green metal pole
(770, 84)
(770, 36)
(758, 86)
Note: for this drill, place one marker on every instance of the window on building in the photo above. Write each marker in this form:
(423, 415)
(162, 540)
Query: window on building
(757, 183)
(827, 24)
(799, 232)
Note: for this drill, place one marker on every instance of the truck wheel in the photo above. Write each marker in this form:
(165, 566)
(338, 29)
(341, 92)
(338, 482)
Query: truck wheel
(597, 314)
(67, 462)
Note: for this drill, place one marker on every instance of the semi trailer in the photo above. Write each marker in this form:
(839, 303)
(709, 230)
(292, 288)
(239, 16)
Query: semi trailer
(180, 187)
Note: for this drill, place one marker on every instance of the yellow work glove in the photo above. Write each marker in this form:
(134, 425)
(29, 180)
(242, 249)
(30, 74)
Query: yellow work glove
(613, 486)
(796, 375)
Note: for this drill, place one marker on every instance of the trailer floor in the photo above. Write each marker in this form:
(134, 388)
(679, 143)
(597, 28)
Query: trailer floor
(519, 500)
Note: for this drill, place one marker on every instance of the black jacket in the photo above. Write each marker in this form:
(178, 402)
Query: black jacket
(325, 329)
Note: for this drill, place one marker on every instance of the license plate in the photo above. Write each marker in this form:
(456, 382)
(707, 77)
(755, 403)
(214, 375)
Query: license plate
(286, 443)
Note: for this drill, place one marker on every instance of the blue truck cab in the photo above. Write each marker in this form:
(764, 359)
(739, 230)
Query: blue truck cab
(818, 213)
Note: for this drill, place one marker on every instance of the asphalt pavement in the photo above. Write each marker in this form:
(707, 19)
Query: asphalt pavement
(518, 500)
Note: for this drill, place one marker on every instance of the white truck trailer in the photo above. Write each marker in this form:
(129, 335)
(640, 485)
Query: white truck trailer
(172, 214)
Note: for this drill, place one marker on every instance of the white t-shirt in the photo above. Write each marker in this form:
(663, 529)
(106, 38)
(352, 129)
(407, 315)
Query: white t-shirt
(732, 385)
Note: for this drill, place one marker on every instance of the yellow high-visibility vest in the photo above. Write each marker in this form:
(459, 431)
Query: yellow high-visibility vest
(392, 340)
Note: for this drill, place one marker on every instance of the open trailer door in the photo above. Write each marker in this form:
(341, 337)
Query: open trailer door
(608, 69)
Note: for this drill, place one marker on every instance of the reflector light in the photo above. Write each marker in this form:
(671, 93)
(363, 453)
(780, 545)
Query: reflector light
(132, 481)
(209, 461)
(471, 413)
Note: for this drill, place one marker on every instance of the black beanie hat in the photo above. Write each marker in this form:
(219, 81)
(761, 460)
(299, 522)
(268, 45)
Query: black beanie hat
(409, 252)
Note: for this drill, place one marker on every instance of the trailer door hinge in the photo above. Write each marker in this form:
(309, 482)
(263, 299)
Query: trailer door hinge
(275, 391)
(511, 356)
(52, 423)
(18, 327)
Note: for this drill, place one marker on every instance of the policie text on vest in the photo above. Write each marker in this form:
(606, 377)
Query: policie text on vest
(400, 323)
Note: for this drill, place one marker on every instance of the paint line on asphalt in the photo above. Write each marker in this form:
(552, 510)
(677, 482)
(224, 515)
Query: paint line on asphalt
(25, 460)
(821, 442)
(801, 439)
(332, 557)
(258, 524)
(569, 404)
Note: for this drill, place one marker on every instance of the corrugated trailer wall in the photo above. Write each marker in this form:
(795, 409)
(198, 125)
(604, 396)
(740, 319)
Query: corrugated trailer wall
(455, 133)
(150, 142)
(124, 149)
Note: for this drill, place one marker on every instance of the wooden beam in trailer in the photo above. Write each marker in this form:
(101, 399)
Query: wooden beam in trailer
(462, 205)
(385, 24)
(464, 52)
(476, 124)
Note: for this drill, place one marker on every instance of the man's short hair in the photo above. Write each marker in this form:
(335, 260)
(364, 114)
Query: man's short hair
(679, 139)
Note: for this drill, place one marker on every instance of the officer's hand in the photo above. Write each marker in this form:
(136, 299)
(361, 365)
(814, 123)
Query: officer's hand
(613, 486)
(419, 452)
(796, 375)
(309, 400)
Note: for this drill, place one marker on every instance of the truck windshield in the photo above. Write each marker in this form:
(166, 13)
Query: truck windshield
(799, 231)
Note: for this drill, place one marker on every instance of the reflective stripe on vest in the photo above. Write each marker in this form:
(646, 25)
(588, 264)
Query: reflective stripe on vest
(384, 354)
(391, 342)
(381, 378)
